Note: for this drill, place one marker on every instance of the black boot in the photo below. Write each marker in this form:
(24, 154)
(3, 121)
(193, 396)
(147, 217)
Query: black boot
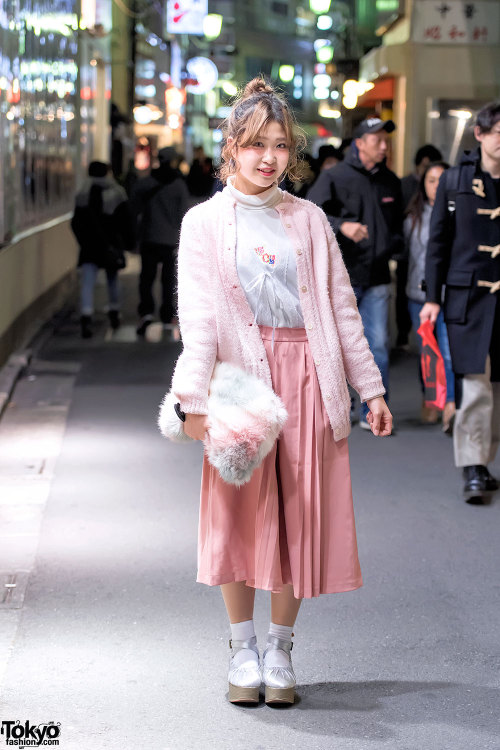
(477, 484)
(491, 482)
(86, 326)
(144, 323)
(114, 319)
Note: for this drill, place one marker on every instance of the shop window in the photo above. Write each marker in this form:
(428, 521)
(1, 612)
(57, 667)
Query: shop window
(39, 138)
(450, 126)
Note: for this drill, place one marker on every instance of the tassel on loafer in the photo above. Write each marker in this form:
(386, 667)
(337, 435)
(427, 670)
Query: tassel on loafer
(279, 681)
(245, 679)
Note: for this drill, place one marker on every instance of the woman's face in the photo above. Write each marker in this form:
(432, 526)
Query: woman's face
(263, 162)
(431, 182)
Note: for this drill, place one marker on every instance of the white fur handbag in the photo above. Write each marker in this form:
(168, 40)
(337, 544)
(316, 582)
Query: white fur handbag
(244, 419)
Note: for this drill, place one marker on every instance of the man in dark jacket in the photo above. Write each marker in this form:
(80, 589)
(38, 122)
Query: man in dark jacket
(464, 255)
(160, 202)
(103, 226)
(362, 200)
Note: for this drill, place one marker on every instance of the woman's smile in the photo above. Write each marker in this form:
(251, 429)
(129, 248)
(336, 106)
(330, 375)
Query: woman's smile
(267, 171)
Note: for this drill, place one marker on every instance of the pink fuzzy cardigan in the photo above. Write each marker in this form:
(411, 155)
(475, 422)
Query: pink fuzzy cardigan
(217, 323)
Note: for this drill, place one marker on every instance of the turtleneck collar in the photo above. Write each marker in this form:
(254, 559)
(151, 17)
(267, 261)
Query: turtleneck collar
(268, 199)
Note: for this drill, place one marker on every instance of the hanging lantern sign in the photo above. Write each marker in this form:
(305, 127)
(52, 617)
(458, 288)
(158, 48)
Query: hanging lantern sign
(186, 16)
(203, 74)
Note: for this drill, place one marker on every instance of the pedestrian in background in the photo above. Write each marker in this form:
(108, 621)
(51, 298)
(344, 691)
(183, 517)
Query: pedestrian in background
(416, 231)
(159, 202)
(410, 188)
(463, 254)
(411, 182)
(362, 200)
(328, 157)
(262, 285)
(200, 180)
(103, 226)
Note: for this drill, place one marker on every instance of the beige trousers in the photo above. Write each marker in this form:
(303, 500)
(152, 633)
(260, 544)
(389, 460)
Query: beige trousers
(476, 432)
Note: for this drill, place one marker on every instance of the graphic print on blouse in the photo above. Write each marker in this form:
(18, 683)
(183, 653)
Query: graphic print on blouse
(266, 256)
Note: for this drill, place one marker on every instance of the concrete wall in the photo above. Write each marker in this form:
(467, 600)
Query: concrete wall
(37, 273)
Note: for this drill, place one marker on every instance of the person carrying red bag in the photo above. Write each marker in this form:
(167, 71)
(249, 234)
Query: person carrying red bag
(464, 254)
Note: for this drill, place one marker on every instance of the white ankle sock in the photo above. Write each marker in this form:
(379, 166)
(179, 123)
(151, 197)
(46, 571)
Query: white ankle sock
(277, 657)
(242, 631)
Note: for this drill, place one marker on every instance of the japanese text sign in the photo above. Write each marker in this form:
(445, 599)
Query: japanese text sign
(456, 22)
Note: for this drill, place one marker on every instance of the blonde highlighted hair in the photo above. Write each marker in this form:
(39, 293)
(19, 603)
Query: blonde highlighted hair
(257, 107)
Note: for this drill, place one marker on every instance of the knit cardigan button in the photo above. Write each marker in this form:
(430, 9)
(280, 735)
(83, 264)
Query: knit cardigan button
(303, 288)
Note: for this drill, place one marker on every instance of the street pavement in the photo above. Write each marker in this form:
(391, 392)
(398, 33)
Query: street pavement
(105, 633)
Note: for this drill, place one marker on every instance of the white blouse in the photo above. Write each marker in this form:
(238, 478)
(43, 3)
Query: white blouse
(265, 260)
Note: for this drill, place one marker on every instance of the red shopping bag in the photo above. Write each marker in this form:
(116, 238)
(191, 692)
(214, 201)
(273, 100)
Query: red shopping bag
(433, 372)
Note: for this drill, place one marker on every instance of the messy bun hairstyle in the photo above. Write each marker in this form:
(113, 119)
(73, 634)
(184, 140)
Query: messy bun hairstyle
(252, 112)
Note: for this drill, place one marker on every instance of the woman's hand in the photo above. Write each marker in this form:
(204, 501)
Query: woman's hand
(195, 426)
(379, 417)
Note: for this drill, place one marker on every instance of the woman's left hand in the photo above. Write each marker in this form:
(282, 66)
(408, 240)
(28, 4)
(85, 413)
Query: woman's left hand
(379, 417)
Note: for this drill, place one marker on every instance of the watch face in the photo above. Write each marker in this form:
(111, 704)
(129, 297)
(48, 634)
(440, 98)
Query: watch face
(180, 414)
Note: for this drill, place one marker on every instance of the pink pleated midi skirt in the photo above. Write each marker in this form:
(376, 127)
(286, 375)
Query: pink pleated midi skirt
(293, 522)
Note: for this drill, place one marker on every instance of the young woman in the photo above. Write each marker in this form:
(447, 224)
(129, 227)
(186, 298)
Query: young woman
(416, 231)
(262, 285)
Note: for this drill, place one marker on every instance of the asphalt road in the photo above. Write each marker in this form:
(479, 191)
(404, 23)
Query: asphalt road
(113, 640)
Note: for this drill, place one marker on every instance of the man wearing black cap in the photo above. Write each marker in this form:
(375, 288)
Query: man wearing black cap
(362, 200)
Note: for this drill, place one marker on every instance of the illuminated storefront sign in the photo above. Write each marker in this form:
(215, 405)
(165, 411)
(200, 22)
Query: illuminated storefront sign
(457, 23)
(204, 73)
(186, 16)
(88, 14)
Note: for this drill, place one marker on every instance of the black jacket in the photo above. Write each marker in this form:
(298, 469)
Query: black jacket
(102, 221)
(348, 192)
(159, 203)
(472, 312)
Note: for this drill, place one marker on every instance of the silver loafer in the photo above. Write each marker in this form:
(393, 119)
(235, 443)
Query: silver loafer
(279, 681)
(245, 680)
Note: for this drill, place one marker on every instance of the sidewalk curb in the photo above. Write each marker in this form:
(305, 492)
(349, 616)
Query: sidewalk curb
(10, 374)
(20, 359)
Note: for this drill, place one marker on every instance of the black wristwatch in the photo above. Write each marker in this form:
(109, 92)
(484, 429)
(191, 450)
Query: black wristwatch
(180, 414)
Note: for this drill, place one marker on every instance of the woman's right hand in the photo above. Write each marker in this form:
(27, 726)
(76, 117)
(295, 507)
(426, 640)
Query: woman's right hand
(195, 426)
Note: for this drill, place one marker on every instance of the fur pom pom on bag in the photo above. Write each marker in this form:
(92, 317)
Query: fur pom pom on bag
(244, 419)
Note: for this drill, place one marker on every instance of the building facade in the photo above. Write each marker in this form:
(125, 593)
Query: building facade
(438, 64)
